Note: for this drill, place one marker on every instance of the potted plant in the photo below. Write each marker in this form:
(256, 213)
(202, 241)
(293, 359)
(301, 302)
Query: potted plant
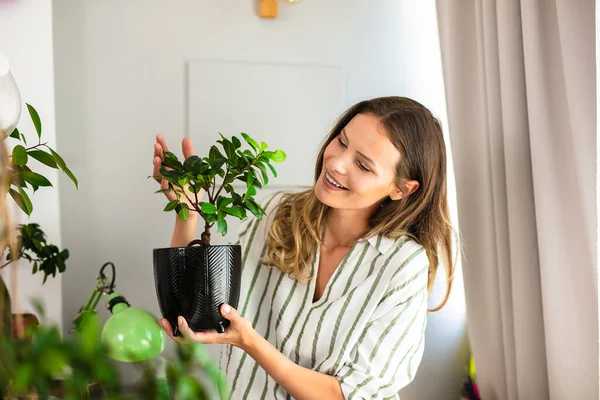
(29, 239)
(194, 281)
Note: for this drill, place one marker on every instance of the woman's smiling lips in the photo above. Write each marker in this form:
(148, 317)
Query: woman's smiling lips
(331, 183)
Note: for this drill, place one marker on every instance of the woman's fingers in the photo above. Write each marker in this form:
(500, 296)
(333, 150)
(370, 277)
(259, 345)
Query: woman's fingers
(169, 330)
(161, 141)
(206, 337)
(187, 148)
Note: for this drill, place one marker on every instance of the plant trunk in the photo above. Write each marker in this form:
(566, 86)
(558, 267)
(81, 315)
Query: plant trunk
(5, 310)
(206, 235)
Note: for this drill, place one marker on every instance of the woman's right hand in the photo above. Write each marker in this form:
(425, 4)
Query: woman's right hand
(160, 147)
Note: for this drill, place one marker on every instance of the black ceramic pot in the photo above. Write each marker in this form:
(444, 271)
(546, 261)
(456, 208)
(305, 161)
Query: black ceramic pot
(195, 281)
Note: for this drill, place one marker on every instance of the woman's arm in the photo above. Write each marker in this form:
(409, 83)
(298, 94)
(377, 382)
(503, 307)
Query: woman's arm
(184, 232)
(301, 383)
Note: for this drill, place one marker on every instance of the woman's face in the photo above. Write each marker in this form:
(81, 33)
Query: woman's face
(363, 161)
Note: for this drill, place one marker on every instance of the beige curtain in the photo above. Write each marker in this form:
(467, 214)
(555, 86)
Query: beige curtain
(521, 92)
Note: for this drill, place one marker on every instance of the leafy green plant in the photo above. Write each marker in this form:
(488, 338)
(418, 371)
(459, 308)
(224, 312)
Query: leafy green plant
(229, 163)
(44, 364)
(31, 244)
(41, 363)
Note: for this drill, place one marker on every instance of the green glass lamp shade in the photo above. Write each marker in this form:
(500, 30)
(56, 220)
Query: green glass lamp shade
(131, 334)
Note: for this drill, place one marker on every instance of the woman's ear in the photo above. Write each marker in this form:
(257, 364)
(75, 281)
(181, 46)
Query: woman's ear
(408, 188)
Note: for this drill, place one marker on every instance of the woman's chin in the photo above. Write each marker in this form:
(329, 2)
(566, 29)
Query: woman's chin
(327, 197)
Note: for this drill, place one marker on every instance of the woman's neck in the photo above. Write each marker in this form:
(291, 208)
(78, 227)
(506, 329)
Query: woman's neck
(344, 227)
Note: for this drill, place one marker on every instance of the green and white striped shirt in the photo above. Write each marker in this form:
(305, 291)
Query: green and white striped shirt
(367, 328)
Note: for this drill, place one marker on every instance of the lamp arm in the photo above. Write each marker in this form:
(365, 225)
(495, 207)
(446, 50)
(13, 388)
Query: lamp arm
(103, 285)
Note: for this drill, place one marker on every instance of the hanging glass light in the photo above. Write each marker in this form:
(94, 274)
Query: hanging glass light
(10, 99)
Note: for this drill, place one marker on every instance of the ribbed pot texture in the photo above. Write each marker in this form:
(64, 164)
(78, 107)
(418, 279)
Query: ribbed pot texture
(195, 281)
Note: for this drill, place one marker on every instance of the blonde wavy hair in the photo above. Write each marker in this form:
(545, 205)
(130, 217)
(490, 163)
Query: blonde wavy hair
(423, 215)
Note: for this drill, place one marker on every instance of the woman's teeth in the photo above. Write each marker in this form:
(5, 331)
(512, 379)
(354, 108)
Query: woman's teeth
(334, 183)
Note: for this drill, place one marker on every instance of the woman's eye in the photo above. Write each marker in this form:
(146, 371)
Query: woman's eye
(342, 143)
(361, 166)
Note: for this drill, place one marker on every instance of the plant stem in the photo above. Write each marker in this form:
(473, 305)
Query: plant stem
(195, 205)
(4, 265)
(31, 148)
(225, 183)
(214, 185)
(206, 234)
(36, 146)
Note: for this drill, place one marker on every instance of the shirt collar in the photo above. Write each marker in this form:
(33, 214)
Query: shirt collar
(381, 243)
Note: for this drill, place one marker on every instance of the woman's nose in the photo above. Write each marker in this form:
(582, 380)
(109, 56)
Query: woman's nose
(339, 164)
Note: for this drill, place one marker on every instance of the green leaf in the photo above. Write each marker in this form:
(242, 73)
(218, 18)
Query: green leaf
(190, 161)
(26, 201)
(265, 176)
(61, 265)
(208, 208)
(35, 268)
(35, 179)
(19, 200)
(251, 191)
(228, 147)
(163, 191)
(222, 226)
(278, 156)
(249, 180)
(19, 155)
(23, 377)
(263, 146)
(223, 202)
(24, 139)
(61, 163)
(272, 168)
(215, 154)
(15, 134)
(171, 205)
(251, 142)
(68, 172)
(236, 142)
(234, 211)
(36, 119)
(172, 162)
(210, 218)
(184, 212)
(253, 207)
(43, 157)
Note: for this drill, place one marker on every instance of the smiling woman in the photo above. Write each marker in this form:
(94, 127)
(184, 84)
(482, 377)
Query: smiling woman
(335, 280)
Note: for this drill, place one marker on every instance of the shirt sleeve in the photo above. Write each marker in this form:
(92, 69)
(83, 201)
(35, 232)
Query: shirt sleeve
(390, 348)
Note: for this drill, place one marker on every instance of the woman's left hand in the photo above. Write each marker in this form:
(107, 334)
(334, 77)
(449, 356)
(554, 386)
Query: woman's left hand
(238, 333)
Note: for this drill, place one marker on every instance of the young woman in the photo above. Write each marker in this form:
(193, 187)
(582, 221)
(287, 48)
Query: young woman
(335, 279)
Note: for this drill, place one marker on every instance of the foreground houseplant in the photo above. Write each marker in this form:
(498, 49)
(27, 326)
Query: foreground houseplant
(30, 240)
(194, 281)
(39, 363)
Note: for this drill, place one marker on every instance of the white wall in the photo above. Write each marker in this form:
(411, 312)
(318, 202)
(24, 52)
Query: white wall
(26, 39)
(121, 78)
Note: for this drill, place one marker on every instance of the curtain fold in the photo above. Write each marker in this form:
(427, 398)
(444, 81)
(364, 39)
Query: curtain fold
(521, 95)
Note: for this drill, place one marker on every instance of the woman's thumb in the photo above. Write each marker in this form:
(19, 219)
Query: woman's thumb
(229, 312)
